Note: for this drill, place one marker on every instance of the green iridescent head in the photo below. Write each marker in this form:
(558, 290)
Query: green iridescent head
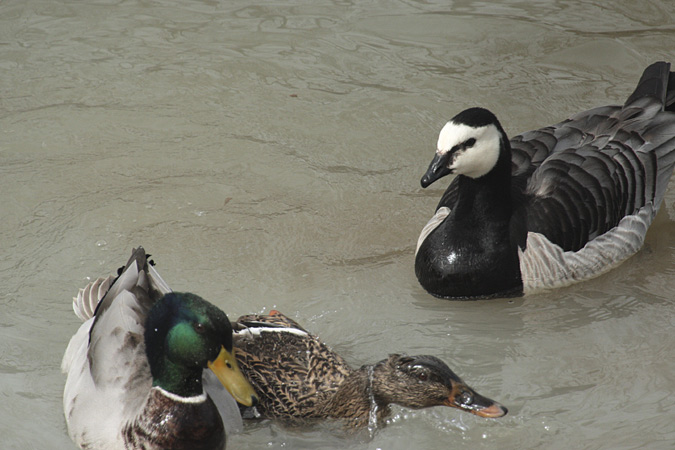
(184, 334)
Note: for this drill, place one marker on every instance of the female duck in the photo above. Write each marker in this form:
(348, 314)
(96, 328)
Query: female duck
(299, 378)
(135, 365)
(552, 207)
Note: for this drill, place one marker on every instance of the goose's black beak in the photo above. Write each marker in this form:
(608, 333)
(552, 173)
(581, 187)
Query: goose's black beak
(437, 169)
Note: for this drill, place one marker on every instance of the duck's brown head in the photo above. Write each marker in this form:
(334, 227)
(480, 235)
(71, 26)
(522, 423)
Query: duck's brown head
(424, 381)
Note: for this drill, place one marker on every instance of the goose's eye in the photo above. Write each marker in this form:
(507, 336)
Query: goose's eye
(469, 143)
(199, 328)
(466, 398)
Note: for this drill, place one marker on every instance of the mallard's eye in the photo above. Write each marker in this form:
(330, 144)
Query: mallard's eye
(199, 328)
(469, 143)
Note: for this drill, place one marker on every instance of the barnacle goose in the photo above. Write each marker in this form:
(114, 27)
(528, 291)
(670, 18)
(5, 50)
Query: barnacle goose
(553, 206)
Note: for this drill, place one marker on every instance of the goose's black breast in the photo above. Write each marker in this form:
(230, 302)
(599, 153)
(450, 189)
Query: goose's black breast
(463, 259)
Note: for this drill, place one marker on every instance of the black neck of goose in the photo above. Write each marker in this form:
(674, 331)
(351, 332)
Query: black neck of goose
(490, 195)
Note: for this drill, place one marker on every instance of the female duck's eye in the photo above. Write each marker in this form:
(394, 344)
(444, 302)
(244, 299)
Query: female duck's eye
(466, 398)
(423, 376)
(199, 328)
(469, 143)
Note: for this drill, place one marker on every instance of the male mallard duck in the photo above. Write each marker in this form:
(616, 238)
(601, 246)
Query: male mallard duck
(297, 377)
(135, 365)
(552, 207)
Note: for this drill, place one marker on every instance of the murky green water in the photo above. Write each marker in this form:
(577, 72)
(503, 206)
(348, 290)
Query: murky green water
(268, 155)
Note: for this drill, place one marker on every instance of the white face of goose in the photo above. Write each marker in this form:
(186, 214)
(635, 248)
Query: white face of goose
(474, 151)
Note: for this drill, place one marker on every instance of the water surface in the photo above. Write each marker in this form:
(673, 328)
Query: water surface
(268, 155)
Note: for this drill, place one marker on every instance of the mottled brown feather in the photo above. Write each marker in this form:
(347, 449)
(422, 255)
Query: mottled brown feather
(298, 378)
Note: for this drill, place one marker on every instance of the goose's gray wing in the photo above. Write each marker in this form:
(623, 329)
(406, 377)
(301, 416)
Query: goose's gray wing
(604, 164)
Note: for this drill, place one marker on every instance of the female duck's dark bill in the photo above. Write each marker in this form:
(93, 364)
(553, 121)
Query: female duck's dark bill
(491, 412)
(475, 403)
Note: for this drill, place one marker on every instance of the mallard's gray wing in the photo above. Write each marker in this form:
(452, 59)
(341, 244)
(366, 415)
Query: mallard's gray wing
(116, 335)
(108, 375)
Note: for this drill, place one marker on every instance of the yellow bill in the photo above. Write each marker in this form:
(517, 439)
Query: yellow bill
(227, 370)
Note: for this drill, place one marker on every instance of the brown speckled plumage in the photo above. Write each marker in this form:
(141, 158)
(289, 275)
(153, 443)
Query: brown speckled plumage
(297, 378)
(298, 374)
